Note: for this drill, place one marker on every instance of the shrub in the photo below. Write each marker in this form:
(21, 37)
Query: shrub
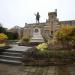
(42, 47)
(25, 39)
(3, 36)
(3, 40)
(66, 35)
(2, 45)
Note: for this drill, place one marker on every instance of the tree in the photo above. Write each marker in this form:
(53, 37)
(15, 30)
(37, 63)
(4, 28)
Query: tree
(2, 30)
(12, 36)
(66, 35)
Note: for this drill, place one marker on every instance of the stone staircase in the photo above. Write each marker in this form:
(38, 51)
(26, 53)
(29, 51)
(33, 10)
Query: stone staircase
(11, 57)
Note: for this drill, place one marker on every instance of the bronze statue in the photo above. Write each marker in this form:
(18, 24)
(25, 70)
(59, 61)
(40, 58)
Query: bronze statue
(37, 17)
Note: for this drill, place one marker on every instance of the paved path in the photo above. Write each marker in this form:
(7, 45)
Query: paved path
(26, 70)
(18, 48)
(36, 70)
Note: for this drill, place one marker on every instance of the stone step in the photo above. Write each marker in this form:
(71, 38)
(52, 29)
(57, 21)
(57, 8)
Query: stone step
(13, 51)
(10, 61)
(10, 57)
(12, 54)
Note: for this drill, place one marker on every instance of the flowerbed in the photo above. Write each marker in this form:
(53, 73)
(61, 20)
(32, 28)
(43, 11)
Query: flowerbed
(48, 57)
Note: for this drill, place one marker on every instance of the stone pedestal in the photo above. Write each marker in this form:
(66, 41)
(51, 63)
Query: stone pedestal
(36, 35)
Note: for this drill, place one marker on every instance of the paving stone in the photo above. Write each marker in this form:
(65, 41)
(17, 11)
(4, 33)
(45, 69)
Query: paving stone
(33, 69)
(6, 69)
(71, 69)
(51, 70)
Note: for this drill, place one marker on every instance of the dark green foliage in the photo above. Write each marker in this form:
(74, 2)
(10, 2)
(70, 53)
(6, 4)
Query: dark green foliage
(2, 30)
(12, 36)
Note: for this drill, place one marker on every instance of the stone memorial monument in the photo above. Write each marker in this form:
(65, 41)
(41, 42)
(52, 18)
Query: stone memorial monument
(36, 31)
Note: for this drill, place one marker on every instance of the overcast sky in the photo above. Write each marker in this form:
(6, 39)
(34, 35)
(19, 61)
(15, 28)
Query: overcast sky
(19, 12)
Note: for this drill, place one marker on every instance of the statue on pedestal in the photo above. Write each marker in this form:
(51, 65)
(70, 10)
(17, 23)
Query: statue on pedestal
(36, 31)
(37, 17)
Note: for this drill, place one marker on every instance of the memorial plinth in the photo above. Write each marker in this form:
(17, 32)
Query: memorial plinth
(36, 35)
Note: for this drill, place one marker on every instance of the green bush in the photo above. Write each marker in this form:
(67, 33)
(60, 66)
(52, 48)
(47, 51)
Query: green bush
(66, 35)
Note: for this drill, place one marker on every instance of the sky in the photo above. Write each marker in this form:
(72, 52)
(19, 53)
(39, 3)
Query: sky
(19, 12)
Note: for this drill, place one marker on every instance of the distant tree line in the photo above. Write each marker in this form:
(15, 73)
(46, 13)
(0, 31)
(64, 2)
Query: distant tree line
(12, 36)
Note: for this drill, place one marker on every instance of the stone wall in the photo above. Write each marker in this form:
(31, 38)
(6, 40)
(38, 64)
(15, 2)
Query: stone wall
(68, 22)
(27, 33)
